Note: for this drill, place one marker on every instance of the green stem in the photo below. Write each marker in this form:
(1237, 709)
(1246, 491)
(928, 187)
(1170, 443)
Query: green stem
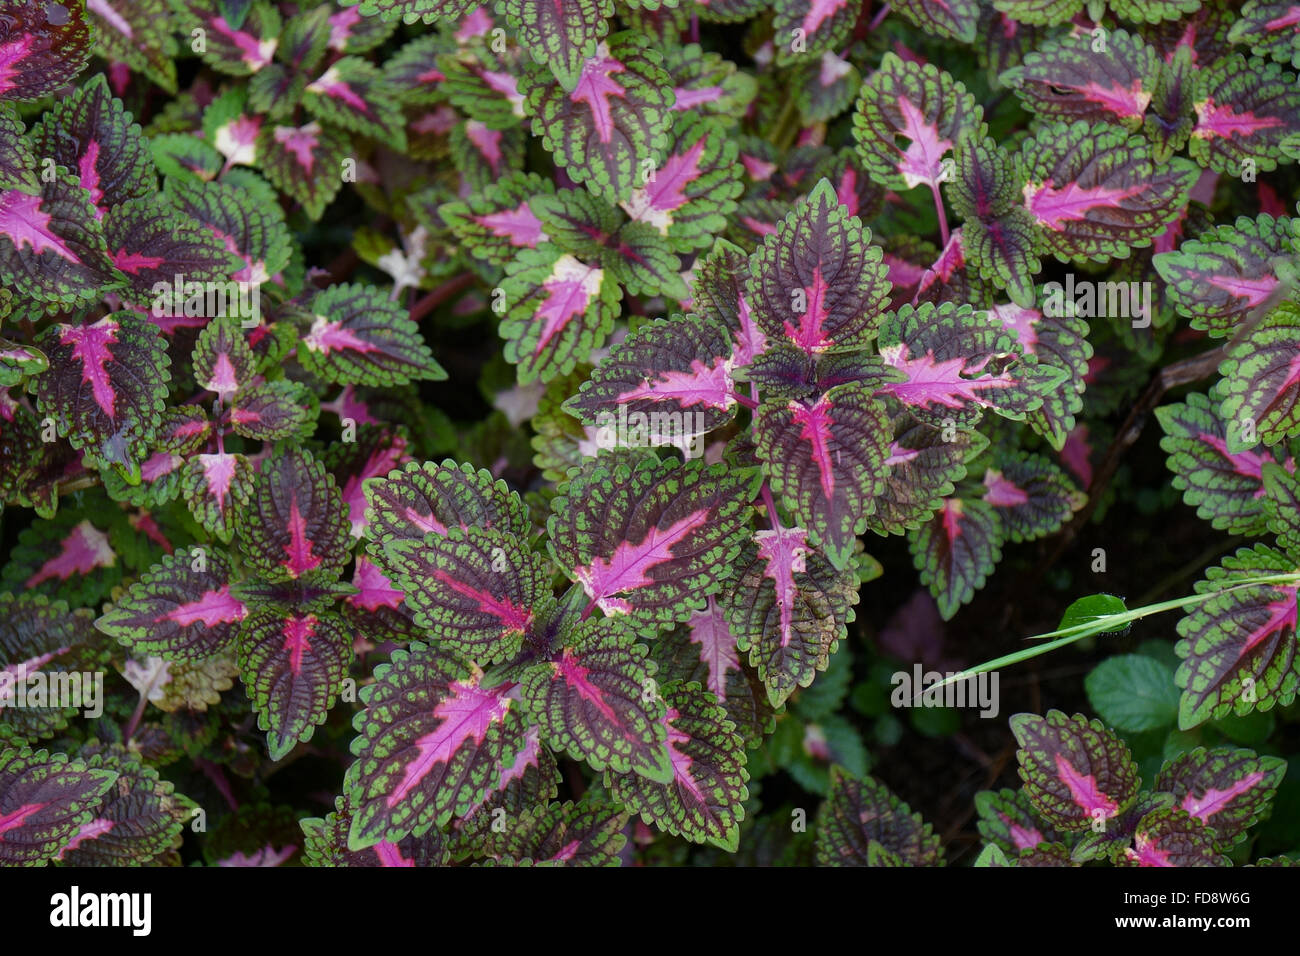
(786, 127)
(1110, 622)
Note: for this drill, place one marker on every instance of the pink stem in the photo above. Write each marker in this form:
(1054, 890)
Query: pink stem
(943, 216)
(131, 725)
(214, 773)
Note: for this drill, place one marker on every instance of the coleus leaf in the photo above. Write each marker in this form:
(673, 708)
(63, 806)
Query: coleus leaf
(420, 498)
(649, 538)
(589, 833)
(483, 155)
(68, 557)
(375, 452)
(705, 83)
(1261, 382)
(51, 243)
(180, 155)
(788, 609)
(1070, 79)
(577, 221)
(808, 27)
(1226, 488)
(193, 685)
(275, 91)
(921, 103)
(304, 162)
(531, 780)
(703, 650)
(641, 259)
(1075, 771)
(1204, 34)
(1007, 819)
(1001, 249)
(483, 84)
(42, 48)
(719, 294)
(559, 309)
(1031, 496)
(140, 819)
(17, 162)
(252, 230)
(1226, 790)
(863, 824)
(998, 237)
(957, 362)
(690, 194)
(1244, 109)
(37, 636)
(173, 266)
(1170, 836)
(106, 386)
(19, 362)
(430, 745)
(1268, 28)
(474, 590)
(952, 19)
(185, 429)
(45, 799)
(181, 609)
(1169, 120)
(359, 336)
(353, 94)
(1154, 11)
(376, 612)
(597, 701)
(237, 51)
(562, 35)
(1108, 840)
(784, 372)
(295, 522)
(1097, 192)
(293, 666)
(1239, 648)
(92, 134)
(922, 470)
(635, 253)
(215, 487)
(307, 35)
(1217, 278)
(137, 34)
(269, 411)
(1039, 12)
(1282, 505)
(826, 87)
(222, 361)
(704, 802)
(730, 11)
(412, 72)
(412, 10)
(817, 281)
(1058, 342)
(826, 457)
(956, 550)
(608, 129)
(326, 844)
(495, 223)
(678, 367)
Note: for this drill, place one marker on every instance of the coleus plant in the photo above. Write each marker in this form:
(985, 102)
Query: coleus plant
(682, 243)
(1082, 801)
